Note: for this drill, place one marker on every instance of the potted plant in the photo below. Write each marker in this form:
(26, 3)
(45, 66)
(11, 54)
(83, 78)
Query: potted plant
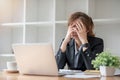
(106, 63)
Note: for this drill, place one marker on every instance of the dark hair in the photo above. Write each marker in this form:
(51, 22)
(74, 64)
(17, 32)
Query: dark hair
(86, 20)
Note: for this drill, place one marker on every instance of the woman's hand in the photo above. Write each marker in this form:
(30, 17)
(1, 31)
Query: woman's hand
(81, 32)
(67, 38)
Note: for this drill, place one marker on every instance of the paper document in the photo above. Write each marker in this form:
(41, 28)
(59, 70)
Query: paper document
(78, 73)
(69, 72)
(89, 74)
(82, 75)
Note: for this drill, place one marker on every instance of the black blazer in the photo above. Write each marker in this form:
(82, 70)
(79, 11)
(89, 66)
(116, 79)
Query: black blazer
(84, 58)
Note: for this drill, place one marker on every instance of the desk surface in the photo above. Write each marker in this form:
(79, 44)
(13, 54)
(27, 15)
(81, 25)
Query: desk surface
(14, 76)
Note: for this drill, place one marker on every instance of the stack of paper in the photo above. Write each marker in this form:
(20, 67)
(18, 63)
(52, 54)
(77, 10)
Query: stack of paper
(81, 75)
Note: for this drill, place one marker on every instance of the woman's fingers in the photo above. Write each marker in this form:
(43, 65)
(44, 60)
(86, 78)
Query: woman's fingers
(78, 26)
(83, 26)
(75, 30)
(70, 32)
(72, 25)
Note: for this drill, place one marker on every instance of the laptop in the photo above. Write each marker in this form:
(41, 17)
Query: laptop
(37, 59)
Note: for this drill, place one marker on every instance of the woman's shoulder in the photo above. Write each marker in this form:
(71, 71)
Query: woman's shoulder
(95, 39)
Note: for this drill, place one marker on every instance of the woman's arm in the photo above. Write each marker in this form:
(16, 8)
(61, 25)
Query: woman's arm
(61, 54)
(61, 59)
(90, 53)
(87, 51)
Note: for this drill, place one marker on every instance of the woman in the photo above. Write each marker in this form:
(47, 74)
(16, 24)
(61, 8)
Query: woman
(80, 45)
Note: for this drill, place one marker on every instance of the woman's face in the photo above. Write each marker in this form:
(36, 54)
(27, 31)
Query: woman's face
(74, 33)
(73, 27)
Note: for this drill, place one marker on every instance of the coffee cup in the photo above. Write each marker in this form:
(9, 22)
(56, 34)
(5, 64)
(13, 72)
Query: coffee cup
(11, 65)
